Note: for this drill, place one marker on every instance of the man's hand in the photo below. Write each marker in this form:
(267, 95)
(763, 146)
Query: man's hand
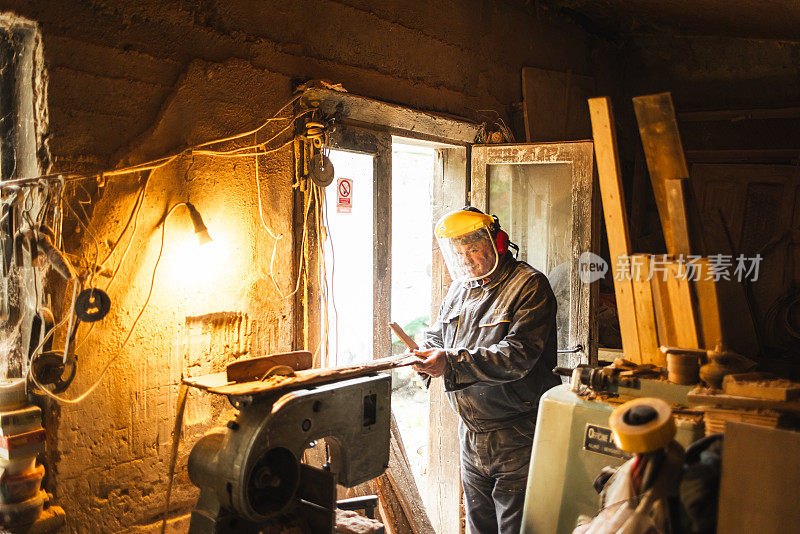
(435, 362)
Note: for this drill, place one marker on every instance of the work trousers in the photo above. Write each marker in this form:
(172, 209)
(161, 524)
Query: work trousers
(494, 474)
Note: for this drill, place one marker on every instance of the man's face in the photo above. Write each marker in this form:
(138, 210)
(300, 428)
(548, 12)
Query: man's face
(476, 259)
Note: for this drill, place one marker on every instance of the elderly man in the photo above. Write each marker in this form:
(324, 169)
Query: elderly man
(494, 343)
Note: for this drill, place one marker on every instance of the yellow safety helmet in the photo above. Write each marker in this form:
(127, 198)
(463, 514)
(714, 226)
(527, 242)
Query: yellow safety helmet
(462, 222)
(467, 243)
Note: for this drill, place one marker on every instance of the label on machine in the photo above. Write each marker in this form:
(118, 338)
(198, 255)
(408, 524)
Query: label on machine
(600, 439)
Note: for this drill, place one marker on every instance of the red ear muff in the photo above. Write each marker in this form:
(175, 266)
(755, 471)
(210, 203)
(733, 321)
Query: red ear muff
(501, 242)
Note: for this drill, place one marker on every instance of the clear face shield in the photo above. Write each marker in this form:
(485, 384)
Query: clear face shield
(472, 256)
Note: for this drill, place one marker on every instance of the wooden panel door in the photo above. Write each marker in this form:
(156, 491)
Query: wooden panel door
(543, 194)
(444, 473)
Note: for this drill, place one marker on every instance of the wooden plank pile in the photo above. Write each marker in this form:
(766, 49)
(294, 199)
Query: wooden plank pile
(716, 418)
(663, 300)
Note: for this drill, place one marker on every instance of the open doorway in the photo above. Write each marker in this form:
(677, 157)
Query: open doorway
(413, 183)
(413, 166)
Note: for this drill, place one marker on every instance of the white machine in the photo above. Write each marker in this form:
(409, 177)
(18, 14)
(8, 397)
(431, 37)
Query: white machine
(573, 443)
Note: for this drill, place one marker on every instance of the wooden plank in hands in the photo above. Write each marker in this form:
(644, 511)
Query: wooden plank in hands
(312, 377)
(407, 340)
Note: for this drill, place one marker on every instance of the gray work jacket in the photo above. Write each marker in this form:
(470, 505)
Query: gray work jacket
(501, 342)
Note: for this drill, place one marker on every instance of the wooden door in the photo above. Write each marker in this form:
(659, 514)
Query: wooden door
(543, 194)
(444, 473)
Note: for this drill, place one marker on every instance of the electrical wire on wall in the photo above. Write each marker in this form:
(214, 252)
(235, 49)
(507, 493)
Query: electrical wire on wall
(56, 205)
(130, 330)
(329, 296)
(134, 218)
(322, 348)
(157, 163)
(276, 238)
(319, 142)
(329, 238)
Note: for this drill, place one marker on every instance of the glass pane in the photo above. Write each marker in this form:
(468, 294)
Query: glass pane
(349, 263)
(412, 241)
(534, 204)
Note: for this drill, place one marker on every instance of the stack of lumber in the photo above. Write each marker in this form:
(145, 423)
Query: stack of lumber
(761, 386)
(716, 418)
(659, 302)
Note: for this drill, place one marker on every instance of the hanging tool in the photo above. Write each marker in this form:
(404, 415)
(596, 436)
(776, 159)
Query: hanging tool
(39, 242)
(50, 369)
(41, 324)
(58, 261)
(7, 225)
(317, 165)
(7, 230)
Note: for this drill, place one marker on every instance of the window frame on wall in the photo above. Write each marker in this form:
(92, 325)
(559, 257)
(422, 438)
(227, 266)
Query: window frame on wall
(367, 126)
(379, 146)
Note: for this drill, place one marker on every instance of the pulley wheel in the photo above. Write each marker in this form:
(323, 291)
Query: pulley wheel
(272, 482)
(49, 369)
(321, 171)
(92, 305)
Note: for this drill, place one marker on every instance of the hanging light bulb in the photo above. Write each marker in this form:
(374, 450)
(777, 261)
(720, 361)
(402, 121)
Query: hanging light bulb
(199, 226)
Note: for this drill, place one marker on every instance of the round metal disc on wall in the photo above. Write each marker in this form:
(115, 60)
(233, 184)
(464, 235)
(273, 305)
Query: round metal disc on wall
(321, 171)
(49, 369)
(92, 305)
